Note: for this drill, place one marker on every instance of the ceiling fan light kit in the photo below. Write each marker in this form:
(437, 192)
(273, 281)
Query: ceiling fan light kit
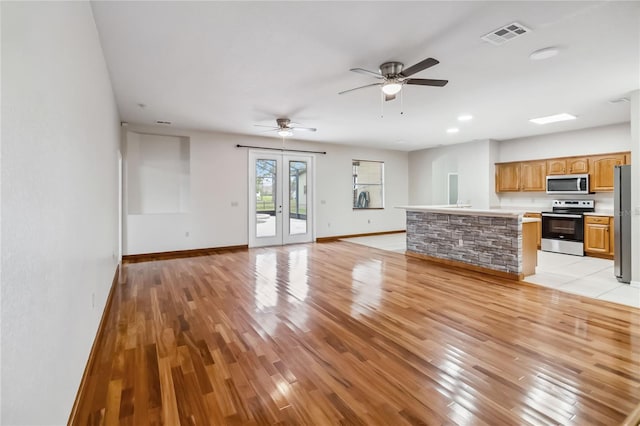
(285, 128)
(394, 76)
(392, 87)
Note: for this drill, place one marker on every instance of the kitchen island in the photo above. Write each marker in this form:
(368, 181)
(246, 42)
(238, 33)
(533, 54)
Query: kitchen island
(489, 241)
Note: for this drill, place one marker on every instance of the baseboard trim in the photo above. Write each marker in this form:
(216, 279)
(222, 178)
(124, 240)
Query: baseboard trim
(370, 234)
(462, 265)
(179, 254)
(599, 255)
(93, 355)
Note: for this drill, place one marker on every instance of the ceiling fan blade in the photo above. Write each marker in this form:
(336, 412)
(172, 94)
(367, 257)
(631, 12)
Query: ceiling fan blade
(304, 129)
(367, 72)
(270, 127)
(358, 88)
(422, 65)
(426, 82)
(389, 97)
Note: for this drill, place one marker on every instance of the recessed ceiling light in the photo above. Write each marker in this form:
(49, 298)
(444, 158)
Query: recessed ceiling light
(453, 130)
(465, 117)
(546, 53)
(553, 118)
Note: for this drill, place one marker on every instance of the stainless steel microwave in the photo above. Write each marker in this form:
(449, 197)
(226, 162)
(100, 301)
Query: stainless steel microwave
(568, 184)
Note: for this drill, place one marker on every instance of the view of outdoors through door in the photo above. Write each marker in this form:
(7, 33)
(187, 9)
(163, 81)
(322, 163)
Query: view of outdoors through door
(266, 197)
(297, 197)
(280, 199)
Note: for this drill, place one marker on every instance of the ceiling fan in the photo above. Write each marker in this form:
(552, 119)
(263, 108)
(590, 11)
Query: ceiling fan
(285, 127)
(394, 77)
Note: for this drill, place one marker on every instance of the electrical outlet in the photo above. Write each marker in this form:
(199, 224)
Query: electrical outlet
(93, 300)
(328, 224)
(460, 242)
(368, 220)
(186, 234)
(234, 204)
(323, 202)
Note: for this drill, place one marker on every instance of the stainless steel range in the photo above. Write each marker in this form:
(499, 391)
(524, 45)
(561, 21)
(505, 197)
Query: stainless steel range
(563, 228)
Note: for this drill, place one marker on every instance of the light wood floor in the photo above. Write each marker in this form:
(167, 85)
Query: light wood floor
(339, 333)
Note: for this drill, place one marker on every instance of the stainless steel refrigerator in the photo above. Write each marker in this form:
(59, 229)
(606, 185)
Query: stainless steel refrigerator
(622, 223)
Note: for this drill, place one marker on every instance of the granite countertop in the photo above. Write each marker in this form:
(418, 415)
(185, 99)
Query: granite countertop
(530, 219)
(600, 213)
(463, 210)
(526, 209)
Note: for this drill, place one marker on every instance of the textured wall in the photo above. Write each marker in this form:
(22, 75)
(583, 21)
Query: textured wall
(60, 140)
(490, 242)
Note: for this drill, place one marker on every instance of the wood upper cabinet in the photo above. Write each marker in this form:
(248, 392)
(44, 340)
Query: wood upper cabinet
(526, 176)
(507, 177)
(598, 235)
(577, 165)
(557, 166)
(601, 167)
(568, 166)
(533, 176)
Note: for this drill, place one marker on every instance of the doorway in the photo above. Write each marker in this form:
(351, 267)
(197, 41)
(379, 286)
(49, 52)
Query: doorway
(280, 199)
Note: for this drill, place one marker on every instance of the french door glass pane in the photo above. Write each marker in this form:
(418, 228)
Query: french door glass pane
(297, 197)
(266, 197)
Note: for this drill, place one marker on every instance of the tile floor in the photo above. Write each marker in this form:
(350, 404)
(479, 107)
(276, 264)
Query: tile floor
(586, 276)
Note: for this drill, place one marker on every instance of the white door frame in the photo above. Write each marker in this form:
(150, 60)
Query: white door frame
(283, 233)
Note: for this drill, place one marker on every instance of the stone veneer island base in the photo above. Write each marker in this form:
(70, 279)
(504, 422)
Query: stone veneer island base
(489, 241)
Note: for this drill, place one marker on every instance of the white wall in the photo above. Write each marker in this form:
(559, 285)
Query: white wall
(473, 161)
(157, 174)
(218, 214)
(60, 139)
(596, 140)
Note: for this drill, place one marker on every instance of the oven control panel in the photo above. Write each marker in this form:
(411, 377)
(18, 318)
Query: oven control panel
(580, 204)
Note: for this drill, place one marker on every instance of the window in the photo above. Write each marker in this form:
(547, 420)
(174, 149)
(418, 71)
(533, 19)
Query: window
(368, 184)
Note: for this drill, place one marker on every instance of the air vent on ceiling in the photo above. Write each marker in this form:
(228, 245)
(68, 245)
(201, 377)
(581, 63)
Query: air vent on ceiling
(506, 33)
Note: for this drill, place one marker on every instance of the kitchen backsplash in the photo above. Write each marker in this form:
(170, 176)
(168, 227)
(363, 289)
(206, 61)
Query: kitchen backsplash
(538, 201)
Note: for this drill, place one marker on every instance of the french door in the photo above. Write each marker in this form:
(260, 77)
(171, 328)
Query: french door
(280, 199)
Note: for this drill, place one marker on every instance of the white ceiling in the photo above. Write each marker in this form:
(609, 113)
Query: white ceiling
(225, 66)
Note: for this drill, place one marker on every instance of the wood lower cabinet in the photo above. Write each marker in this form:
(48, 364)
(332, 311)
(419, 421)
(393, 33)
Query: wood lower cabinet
(602, 171)
(538, 227)
(529, 252)
(598, 236)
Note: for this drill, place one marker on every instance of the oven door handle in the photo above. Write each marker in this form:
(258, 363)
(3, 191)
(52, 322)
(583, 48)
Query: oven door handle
(575, 216)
